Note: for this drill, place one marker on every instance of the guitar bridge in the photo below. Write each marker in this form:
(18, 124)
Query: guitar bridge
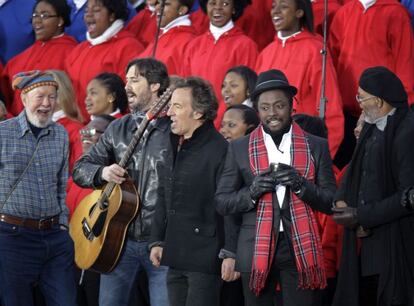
(87, 231)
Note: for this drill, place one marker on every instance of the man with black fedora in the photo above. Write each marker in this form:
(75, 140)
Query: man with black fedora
(276, 178)
(377, 262)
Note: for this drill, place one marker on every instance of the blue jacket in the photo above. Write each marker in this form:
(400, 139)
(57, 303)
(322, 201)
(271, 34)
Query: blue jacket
(16, 33)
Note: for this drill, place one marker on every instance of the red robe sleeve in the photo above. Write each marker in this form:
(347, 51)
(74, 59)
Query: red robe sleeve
(75, 146)
(256, 22)
(300, 59)
(199, 21)
(143, 26)
(40, 56)
(87, 61)
(318, 8)
(74, 195)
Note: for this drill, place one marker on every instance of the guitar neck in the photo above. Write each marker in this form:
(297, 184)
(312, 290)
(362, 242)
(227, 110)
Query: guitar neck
(154, 111)
(125, 158)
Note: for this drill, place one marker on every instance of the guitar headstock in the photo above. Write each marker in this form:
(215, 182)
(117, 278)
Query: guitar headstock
(159, 104)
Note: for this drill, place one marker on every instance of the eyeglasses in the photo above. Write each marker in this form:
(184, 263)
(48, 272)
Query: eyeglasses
(89, 132)
(43, 16)
(360, 100)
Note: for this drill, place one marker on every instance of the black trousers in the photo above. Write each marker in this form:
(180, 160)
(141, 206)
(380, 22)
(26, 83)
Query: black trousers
(193, 288)
(284, 273)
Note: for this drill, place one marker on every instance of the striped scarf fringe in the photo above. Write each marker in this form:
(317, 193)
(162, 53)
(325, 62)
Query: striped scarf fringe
(305, 235)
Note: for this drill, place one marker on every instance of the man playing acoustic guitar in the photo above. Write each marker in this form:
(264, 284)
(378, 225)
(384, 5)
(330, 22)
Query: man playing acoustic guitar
(146, 79)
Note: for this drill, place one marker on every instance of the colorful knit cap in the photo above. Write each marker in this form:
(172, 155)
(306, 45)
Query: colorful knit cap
(26, 81)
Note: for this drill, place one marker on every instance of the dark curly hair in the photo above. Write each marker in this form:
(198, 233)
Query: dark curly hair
(115, 86)
(250, 116)
(239, 6)
(118, 7)
(61, 7)
(153, 70)
(203, 99)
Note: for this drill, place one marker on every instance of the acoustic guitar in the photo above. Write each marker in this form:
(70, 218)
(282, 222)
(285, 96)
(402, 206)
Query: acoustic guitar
(99, 224)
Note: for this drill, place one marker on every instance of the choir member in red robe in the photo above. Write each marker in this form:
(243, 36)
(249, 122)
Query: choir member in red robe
(223, 46)
(144, 25)
(176, 33)
(50, 17)
(108, 48)
(296, 51)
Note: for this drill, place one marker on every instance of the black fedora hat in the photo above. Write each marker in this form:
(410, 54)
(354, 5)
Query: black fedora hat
(270, 80)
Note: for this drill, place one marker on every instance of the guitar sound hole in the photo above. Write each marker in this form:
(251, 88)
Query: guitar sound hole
(99, 224)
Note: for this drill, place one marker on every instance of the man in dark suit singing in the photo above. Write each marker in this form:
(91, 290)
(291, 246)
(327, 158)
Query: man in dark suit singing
(187, 233)
(276, 178)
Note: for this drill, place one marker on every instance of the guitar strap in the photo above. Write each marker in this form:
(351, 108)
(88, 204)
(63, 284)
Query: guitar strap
(20, 177)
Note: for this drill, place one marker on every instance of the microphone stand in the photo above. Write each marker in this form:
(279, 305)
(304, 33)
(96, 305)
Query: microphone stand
(157, 33)
(323, 99)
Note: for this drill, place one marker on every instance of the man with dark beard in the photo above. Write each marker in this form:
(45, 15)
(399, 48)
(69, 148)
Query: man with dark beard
(275, 178)
(146, 79)
(377, 262)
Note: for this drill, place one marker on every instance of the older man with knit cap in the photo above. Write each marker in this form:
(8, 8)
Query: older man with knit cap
(377, 262)
(34, 242)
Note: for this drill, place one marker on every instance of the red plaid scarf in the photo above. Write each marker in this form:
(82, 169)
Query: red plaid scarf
(305, 235)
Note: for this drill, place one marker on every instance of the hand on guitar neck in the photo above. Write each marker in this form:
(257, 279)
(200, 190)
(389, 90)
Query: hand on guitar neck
(113, 174)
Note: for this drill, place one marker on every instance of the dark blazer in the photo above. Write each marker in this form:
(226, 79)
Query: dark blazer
(233, 195)
(187, 222)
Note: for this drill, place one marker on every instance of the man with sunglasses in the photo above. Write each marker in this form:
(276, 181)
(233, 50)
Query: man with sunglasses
(377, 265)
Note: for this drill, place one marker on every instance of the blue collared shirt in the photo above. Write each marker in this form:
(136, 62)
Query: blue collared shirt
(41, 192)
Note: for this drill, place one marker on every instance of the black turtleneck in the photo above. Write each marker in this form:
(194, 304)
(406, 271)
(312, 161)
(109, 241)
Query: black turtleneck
(35, 130)
(277, 136)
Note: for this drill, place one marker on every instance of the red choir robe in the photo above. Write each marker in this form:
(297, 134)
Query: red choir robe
(75, 146)
(210, 59)
(143, 26)
(300, 59)
(379, 36)
(74, 195)
(87, 61)
(42, 55)
(318, 8)
(256, 22)
(171, 47)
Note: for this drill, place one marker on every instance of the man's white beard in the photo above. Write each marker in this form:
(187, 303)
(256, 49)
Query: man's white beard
(36, 122)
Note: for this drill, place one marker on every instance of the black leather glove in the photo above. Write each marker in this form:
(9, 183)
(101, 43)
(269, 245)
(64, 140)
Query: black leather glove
(263, 183)
(346, 216)
(288, 176)
(407, 199)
